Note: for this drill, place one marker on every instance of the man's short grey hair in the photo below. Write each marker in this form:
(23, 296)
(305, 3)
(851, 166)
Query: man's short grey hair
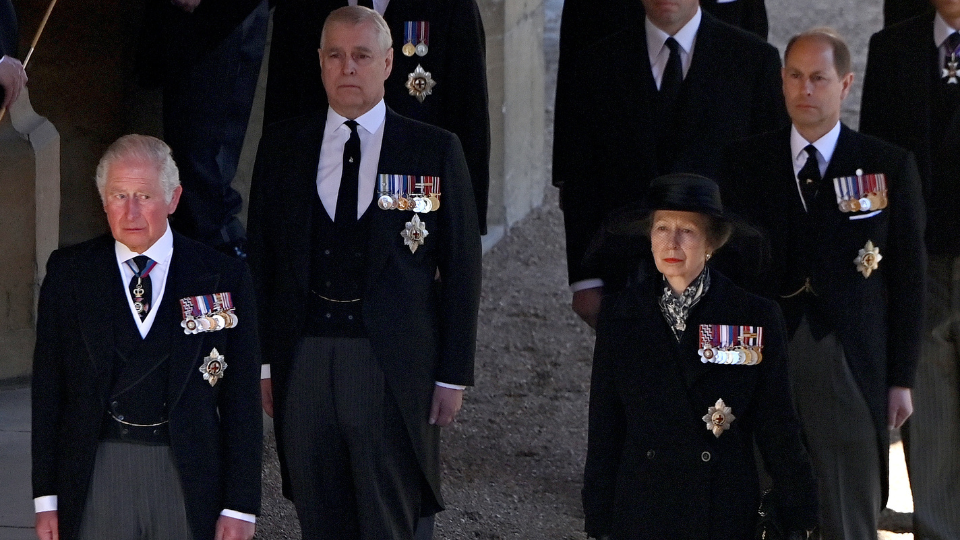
(140, 149)
(355, 16)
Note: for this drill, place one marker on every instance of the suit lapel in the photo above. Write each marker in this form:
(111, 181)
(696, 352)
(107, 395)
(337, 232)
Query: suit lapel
(704, 66)
(189, 276)
(393, 160)
(299, 199)
(99, 315)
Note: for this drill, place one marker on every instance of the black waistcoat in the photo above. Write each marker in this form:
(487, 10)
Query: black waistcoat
(138, 393)
(337, 267)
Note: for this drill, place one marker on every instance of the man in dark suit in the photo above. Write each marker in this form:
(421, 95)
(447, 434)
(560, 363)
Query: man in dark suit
(12, 76)
(452, 58)
(206, 55)
(911, 98)
(666, 103)
(146, 420)
(844, 218)
(369, 309)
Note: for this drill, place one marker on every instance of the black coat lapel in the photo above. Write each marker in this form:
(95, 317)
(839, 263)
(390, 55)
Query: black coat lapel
(99, 301)
(189, 275)
(302, 191)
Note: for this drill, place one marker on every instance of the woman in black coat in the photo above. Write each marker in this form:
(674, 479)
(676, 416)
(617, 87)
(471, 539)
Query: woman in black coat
(689, 371)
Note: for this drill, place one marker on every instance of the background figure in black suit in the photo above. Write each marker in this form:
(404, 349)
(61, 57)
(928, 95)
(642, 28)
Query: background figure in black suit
(206, 55)
(909, 100)
(140, 429)
(12, 76)
(649, 115)
(654, 468)
(848, 270)
(455, 58)
(378, 354)
(895, 11)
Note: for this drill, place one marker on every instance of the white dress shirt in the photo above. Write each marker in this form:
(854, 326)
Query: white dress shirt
(330, 169)
(162, 253)
(825, 146)
(941, 31)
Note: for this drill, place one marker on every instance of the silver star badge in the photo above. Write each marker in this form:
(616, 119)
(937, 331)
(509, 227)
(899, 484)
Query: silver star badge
(718, 418)
(213, 367)
(949, 72)
(414, 233)
(868, 259)
(420, 83)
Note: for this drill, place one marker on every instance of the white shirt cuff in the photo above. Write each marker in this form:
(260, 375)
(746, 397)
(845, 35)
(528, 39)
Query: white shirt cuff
(451, 386)
(47, 503)
(265, 371)
(239, 515)
(585, 284)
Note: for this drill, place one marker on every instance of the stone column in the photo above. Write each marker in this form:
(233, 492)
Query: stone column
(515, 74)
(29, 227)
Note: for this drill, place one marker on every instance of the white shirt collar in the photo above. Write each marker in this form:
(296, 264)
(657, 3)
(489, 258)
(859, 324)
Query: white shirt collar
(370, 120)
(825, 145)
(686, 36)
(941, 30)
(160, 251)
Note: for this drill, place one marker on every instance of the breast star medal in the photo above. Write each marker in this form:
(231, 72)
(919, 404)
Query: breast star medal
(718, 418)
(414, 233)
(420, 83)
(868, 259)
(213, 367)
(950, 72)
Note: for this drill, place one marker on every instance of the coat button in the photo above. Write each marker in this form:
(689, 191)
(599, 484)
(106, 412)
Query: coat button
(124, 431)
(651, 454)
(326, 252)
(115, 404)
(705, 456)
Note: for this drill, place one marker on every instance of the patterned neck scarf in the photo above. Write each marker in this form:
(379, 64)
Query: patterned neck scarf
(675, 308)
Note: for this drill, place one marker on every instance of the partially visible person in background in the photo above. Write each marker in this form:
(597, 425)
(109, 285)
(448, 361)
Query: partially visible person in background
(439, 73)
(911, 97)
(664, 94)
(12, 76)
(206, 55)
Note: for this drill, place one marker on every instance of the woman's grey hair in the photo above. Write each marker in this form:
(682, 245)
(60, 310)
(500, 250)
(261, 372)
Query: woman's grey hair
(718, 230)
(355, 16)
(140, 149)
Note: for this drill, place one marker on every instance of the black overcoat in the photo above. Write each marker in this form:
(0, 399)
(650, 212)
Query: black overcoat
(420, 331)
(878, 319)
(216, 432)
(653, 468)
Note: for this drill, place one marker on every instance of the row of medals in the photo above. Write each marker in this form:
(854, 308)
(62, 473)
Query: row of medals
(870, 201)
(210, 322)
(747, 355)
(420, 204)
(874, 200)
(420, 49)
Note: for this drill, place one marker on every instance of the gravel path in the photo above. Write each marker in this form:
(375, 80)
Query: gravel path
(513, 460)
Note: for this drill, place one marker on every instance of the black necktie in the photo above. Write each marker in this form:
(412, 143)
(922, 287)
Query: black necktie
(672, 75)
(141, 290)
(365, 3)
(346, 213)
(809, 176)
